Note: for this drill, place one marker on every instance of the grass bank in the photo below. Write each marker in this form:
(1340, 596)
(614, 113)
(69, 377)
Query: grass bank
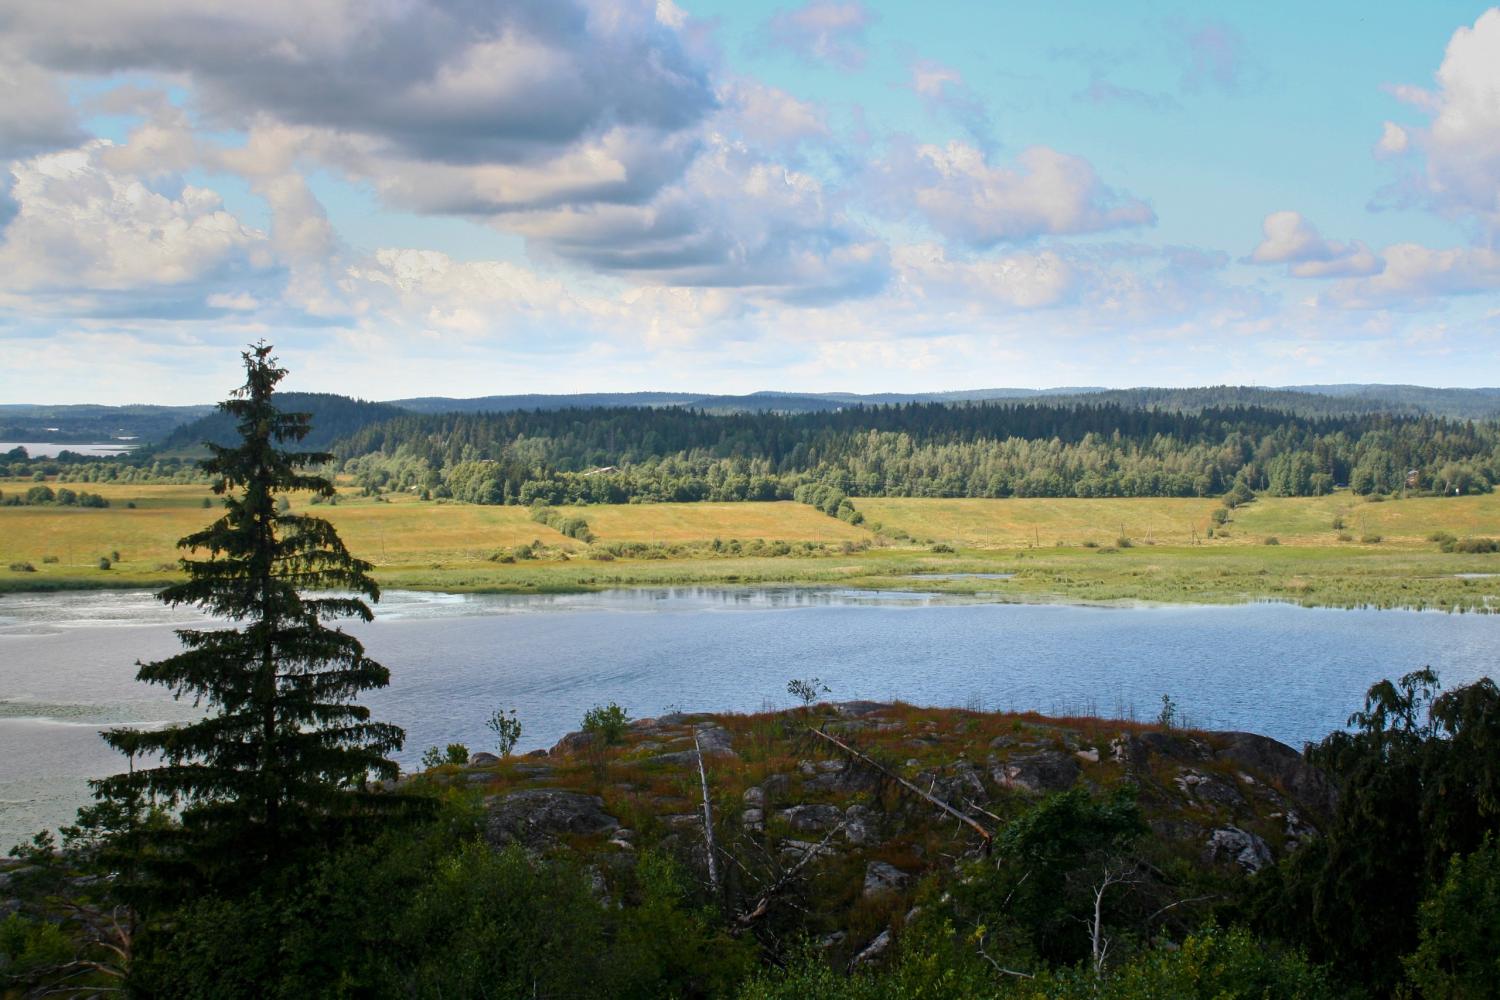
(1058, 550)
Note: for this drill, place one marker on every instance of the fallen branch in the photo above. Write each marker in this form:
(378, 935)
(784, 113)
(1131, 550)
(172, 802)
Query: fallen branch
(963, 818)
(708, 819)
(763, 904)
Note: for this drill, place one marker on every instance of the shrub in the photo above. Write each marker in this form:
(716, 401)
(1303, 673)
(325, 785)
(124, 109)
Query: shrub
(207, 503)
(507, 730)
(1338, 522)
(607, 723)
(1344, 536)
(806, 690)
(1371, 539)
(1123, 543)
(1442, 538)
(40, 494)
(22, 567)
(1272, 540)
(49, 559)
(104, 562)
(942, 547)
(1472, 545)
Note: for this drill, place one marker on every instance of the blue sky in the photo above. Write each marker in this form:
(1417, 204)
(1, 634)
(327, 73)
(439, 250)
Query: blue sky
(580, 195)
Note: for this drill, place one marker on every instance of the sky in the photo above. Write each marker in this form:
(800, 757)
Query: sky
(444, 197)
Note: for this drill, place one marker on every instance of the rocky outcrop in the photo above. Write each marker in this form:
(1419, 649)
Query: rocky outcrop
(537, 817)
(1308, 787)
(1044, 771)
(1239, 846)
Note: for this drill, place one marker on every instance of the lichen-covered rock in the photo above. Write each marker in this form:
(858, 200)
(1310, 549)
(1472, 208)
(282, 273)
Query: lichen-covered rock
(1045, 771)
(534, 817)
(859, 824)
(881, 878)
(1245, 849)
(812, 818)
(483, 759)
(1207, 789)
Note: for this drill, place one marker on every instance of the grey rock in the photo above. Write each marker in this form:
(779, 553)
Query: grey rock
(483, 759)
(677, 758)
(872, 951)
(572, 743)
(715, 739)
(753, 819)
(1208, 789)
(1045, 771)
(1176, 746)
(1230, 843)
(755, 796)
(859, 824)
(1306, 785)
(1088, 756)
(777, 786)
(536, 816)
(538, 752)
(797, 849)
(814, 818)
(857, 709)
(882, 878)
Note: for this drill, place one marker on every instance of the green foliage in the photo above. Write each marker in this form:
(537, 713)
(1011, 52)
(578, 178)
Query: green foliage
(22, 567)
(1419, 782)
(572, 527)
(507, 730)
(606, 723)
(1459, 926)
(1470, 545)
(104, 562)
(1167, 717)
(806, 690)
(280, 764)
(31, 948)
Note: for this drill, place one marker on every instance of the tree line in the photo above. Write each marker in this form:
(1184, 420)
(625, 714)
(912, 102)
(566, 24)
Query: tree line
(629, 455)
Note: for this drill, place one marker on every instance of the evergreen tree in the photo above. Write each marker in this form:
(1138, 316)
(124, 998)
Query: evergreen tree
(282, 760)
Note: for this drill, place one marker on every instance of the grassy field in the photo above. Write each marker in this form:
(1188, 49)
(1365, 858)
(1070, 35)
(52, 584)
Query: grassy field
(1064, 550)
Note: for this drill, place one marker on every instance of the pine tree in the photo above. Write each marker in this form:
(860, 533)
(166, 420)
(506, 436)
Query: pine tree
(282, 759)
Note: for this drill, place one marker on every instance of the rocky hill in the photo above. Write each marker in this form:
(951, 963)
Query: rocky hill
(842, 821)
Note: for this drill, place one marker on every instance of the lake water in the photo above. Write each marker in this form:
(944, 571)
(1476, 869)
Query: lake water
(66, 664)
(42, 449)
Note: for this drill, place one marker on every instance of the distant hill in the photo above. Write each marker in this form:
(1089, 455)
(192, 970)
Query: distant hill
(1475, 404)
(87, 423)
(333, 417)
(755, 402)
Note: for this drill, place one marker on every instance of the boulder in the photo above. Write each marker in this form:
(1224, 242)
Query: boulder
(879, 946)
(857, 709)
(572, 743)
(1207, 789)
(1306, 785)
(815, 818)
(755, 796)
(859, 824)
(1245, 849)
(536, 816)
(483, 759)
(881, 878)
(1046, 771)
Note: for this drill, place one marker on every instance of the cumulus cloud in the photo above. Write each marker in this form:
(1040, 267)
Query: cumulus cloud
(81, 225)
(831, 31)
(1414, 273)
(1017, 281)
(1460, 147)
(735, 219)
(1290, 239)
(769, 117)
(35, 115)
(961, 194)
(446, 80)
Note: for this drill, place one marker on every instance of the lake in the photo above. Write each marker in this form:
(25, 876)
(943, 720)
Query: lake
(43, 449)
(67, 664)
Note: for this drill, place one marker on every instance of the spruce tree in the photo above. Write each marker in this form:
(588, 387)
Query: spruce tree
(281, 761)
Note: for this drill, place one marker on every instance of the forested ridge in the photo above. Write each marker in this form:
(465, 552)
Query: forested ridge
(917, 449)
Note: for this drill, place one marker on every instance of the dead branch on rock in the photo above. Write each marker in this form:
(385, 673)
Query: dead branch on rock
(962, 817)
(708, 819)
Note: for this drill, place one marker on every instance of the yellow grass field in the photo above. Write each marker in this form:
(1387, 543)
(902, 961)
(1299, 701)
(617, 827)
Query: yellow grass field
(1308, 521)
(703, 522)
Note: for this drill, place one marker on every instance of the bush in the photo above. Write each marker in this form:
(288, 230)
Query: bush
(49, 559)
(1338, 522)
(1472, 546)
(1272, 540)
(942, 547)
(1344, 536)
(104, 562)
(607, 723)
(1442, 538)
(1123, 543)
(1371, 539)
(454, 753)
(22, 567)
(507, 730)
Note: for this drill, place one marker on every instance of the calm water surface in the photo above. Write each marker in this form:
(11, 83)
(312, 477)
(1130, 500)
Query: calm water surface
(39, 449)
(67, 664)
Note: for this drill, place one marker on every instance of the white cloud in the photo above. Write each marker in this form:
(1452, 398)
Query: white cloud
(1460, 173)
(1414, 274)
(1393, 140)
(1290, 239)
(963, 196)
(829, 31)
(82, 225)
(770, 117)
(1016, 281)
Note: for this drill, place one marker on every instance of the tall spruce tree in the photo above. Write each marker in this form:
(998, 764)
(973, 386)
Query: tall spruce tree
(281, 761)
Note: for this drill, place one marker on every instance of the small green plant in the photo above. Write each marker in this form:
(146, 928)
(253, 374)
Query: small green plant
(22, 567)
(53, 559)
(1167, 717)
(207, 503)
(1220, 515)
(507, 729)
(942, 547)
(104, 562)
(1338, 522)
(606, 723)
(130, 505)
(1371, 539)
(454, 753)
(1344, 536)
(1123, 542)
(114, 556)
(807, 690)
(1272, 540)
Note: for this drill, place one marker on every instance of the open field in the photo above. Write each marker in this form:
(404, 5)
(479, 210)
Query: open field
(447, 546)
